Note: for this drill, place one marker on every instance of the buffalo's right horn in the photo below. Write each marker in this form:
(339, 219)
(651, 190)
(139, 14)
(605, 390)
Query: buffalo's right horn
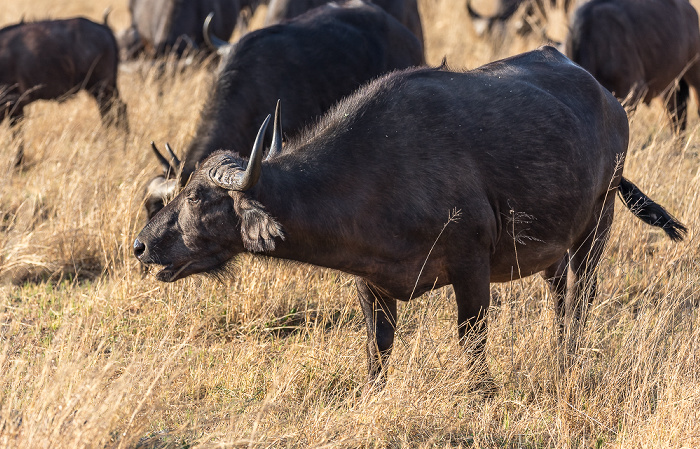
(229, 176)
(212, 41)
(276, 147)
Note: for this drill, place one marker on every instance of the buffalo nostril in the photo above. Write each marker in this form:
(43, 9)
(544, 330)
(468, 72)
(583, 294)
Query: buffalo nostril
(139, 248)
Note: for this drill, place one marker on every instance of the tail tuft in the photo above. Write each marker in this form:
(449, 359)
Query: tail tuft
(650, 212)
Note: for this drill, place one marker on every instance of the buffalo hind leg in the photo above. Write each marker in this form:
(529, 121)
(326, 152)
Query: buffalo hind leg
(473, 296)
(556, 278)
(692, 79)
(677, 105)
(380, 317)
(581, 277)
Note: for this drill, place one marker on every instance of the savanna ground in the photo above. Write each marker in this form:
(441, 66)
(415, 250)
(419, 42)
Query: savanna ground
(93, 354)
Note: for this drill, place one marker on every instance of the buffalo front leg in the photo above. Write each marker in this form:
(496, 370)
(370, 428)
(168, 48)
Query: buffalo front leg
(380, 317)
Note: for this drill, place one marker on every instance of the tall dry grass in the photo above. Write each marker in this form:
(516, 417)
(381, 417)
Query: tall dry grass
(92, 354)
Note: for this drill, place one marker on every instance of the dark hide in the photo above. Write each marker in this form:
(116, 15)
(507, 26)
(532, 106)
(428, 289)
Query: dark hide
(405, 11)
(638, 49)
(162, 26)
(53, 59)
(309, 63)
(527, 149)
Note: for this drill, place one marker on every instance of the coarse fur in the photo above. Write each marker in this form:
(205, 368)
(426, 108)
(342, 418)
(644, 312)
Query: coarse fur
(637, 49)
(529, 149)
(309, 63)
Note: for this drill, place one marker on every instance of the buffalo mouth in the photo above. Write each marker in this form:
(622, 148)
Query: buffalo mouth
(171, 272)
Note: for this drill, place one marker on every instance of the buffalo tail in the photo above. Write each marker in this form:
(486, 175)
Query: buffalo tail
(650, 212)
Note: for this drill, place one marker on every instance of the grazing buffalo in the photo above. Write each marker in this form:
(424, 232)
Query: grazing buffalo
(309, 63)
(405, 11)
(638, 49)
(52, 59)
(495, 13)
(162, 26)
(524, 154)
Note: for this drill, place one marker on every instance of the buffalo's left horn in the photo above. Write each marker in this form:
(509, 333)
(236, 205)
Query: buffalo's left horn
(105, 16)
(242, 180)
(276, 147)
(212, 41)
(176, 161)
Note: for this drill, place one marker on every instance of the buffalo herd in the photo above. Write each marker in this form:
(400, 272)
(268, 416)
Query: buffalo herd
(371, 153)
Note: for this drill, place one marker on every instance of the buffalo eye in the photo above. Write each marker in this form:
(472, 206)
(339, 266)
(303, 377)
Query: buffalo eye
(193, 199)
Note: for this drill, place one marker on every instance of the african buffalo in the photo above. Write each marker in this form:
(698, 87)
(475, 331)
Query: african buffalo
(495, 13)
(405, 11)
(309, 63)
(52, 59)
(524, 154)
(638, 49)
(162, 26)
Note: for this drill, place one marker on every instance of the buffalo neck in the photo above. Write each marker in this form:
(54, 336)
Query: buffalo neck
(314, 203)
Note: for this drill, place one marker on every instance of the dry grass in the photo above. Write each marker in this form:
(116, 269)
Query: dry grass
(94, 355)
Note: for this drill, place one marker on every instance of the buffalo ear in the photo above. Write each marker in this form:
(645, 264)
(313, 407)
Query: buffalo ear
(258, 228)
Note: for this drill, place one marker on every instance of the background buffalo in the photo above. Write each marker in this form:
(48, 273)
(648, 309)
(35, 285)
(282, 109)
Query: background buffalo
(162, 26)
(53, 59)
(640, 50)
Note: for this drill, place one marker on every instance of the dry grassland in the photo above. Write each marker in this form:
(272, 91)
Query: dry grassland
(94, 355)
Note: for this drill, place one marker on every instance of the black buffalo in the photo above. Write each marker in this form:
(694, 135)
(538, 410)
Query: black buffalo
(524, 153)
(500, 11)
(405, 11)
(638, 49)
(162, 26)
(309, 63)
(52, 59)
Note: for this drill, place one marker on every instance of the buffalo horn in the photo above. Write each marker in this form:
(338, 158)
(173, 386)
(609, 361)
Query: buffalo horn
(240, 180)
(212, 41)
(105, 15)
(176, 161)
(276, 147)
(167, 167)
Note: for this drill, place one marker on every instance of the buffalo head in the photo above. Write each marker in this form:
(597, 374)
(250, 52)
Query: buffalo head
(213, 218)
